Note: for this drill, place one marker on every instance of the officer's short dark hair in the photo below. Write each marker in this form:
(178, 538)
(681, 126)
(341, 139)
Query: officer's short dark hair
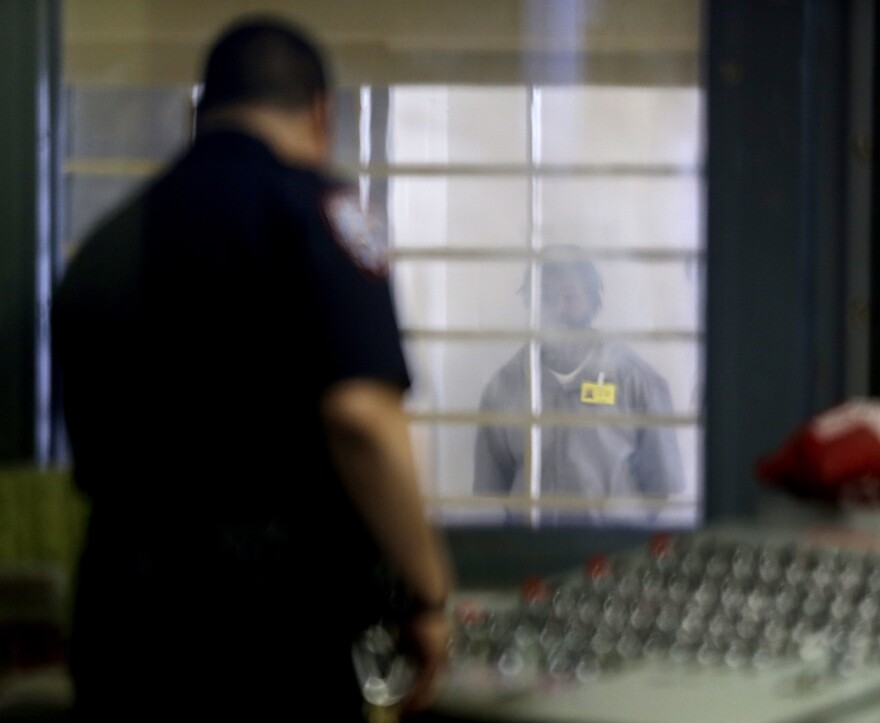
(263, 59)
(570, 256)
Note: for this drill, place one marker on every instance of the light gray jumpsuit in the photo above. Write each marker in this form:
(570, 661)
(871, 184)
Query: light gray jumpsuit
(603, 461)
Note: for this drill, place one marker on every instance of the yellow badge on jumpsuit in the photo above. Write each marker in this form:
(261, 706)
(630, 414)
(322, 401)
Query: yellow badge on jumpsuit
(598, 392)
(359, 230)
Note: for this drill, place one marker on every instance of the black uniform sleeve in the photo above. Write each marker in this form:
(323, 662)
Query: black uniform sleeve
(349, 276)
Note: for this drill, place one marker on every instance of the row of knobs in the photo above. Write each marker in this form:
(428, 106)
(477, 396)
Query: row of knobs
(698, 600)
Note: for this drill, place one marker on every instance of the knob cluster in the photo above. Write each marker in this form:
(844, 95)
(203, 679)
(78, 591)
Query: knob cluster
(700, 600)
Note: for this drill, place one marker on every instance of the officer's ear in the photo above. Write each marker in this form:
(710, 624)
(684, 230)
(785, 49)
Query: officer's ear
(195, 111)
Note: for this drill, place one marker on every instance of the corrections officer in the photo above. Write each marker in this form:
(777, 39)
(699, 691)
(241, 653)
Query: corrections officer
(233, 376)
(583, 375)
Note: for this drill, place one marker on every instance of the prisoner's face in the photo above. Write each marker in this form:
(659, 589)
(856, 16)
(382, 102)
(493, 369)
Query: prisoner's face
(565, 300)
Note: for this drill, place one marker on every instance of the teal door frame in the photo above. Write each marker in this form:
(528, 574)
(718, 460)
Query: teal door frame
(29, 78)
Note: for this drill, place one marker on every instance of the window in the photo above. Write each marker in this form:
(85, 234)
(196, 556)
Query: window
(480, 182)
(488, 139)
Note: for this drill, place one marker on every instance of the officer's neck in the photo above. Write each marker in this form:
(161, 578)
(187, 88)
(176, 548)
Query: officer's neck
(296, 137)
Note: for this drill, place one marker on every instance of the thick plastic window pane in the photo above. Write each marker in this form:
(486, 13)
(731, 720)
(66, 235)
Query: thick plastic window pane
(636, 295)
(595, 474)
(596, 460)
(453, 124)
(679, 364)
(460, 294)
(445, 453)
(651, 295)
(346, 126)
(456, 211)
(625, 511)
(446, 457)
(450, 375)
(91, 197)
(626, 212)
(129, 122)
(610, 125)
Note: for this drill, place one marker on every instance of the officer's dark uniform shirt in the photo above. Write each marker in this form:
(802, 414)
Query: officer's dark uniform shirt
(195, 331)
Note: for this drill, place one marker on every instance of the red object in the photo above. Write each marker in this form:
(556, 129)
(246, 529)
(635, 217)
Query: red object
(535, 589)
(597, 566)
(835, 454)
(469, 612)
(660, 544)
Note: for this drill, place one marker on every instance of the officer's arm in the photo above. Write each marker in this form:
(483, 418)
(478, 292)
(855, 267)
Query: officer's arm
(369, 439)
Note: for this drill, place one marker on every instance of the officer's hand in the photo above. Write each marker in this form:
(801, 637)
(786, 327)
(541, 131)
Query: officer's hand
(426, 637)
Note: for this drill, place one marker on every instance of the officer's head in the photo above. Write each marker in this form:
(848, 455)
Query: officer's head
(571, 288)
(269, 76)
(266, 61)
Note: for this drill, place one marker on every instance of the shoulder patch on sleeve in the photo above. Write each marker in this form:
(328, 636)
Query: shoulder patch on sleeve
(362, 234)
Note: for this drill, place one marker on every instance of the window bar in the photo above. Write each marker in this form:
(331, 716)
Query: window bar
(46, 98)
(533, 460)
(364, 145)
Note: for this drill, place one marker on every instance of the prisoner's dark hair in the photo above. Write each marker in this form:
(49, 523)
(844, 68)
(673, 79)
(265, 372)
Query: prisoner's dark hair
(558, 256)
(263, 60)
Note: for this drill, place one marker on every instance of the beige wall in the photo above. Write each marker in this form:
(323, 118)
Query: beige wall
(629, 41)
